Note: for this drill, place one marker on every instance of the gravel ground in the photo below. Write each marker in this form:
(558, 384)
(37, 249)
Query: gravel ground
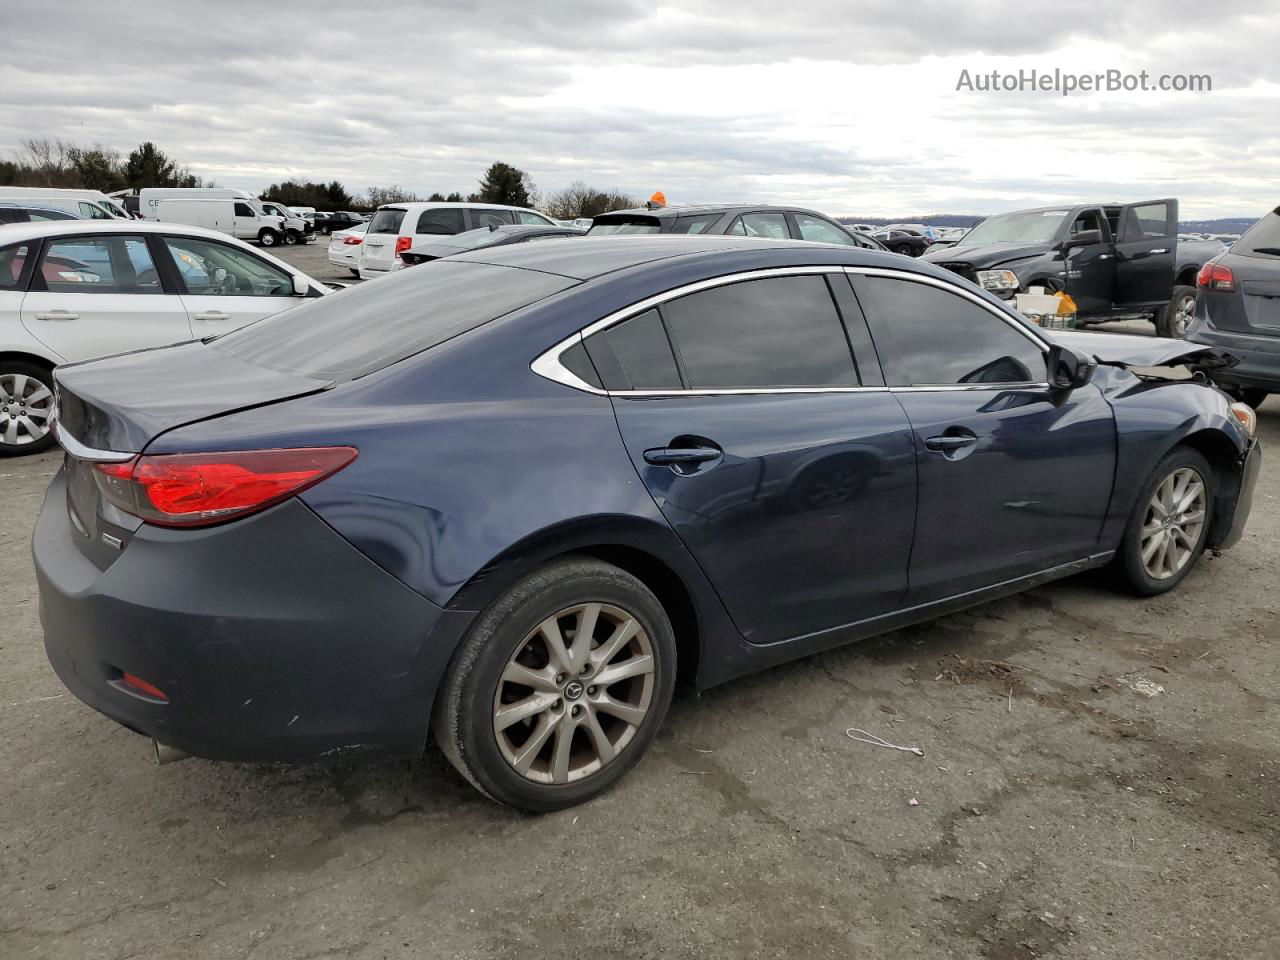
(1059, 811)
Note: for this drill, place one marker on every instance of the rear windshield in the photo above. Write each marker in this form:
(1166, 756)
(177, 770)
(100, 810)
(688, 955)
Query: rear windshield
(387, 220)
(1262, 239)
(627, 224)
(353, 333)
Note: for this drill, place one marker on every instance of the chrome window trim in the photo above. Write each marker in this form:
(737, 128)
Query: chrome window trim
(82, 452)
(548, 365)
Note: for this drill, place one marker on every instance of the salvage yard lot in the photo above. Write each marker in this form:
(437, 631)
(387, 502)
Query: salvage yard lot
(1100, 780)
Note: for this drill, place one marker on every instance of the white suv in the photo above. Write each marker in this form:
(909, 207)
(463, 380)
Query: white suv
(77, 289)
(395, 227)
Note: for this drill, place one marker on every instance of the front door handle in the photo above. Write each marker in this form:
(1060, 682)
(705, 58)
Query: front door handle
(57, 315)
(946, 444)
(671, 456)
(1160, 250)
(213, 315)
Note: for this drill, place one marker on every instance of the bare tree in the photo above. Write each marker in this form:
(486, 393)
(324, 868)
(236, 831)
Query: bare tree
(379, 195)
(581, 200)
(48, 163)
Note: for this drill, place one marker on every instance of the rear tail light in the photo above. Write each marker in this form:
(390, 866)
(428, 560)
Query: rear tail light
(1214, 276)
(403, 244)
(353, 241)
(193, 490)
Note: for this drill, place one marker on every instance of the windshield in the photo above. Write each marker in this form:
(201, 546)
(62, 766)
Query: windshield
(387, 220)
(1262, 239)
(398, 316)
(1035, 226)
(627, 224)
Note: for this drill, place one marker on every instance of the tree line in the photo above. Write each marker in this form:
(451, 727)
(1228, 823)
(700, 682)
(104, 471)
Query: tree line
(56, 163)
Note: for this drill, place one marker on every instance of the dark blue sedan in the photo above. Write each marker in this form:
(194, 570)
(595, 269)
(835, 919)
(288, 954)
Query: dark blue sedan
(513, 496)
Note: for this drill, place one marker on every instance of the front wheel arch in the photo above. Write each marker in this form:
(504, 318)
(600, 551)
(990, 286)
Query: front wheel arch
(1224, 458)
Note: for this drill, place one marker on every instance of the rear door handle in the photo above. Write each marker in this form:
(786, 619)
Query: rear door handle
(670, 456)
(57, 315)
(212, 315)
(948, 443)
(1160, 250)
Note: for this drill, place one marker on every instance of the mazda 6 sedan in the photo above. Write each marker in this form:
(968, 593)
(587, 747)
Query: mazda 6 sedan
(547, 481)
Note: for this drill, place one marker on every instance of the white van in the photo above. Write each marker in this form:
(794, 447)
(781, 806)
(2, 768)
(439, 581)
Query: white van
(89, 204)
(395, 227)
(296, 229)
(242, 219)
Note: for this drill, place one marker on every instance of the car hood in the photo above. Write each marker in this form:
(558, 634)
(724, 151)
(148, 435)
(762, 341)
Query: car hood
(986, 254)
(1125, 350)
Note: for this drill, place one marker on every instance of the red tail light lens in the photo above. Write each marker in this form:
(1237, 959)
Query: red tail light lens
(1214, 276)
(192, 490)
(353, 241)
(403, 244)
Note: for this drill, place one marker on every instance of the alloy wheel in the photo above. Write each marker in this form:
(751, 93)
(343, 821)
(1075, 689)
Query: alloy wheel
(1183, 315)
(1173, 524)
(26, 405)
(574, 693)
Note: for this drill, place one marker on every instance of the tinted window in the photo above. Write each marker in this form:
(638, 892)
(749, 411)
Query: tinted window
(400, 315)
(39, 216)
(817, 230)
(937, 337)
(12, 259)
(635, 355)
(779, 332)
(773, 225)
(445, 222)
(91, 211)
(491, 218)
(210, 268)
(625, 224)
(387, 220)
(10, 215)
(695, 224)
(1088, 220)
(1148, 222)
(100, 265)
(244, 210)
(1262, 239)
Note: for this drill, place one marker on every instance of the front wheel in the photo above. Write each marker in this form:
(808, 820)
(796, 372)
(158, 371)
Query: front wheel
(1172, 321)
(559, 687)
(1169, 525)
(267, 238)
(291, 237)
(26, 408)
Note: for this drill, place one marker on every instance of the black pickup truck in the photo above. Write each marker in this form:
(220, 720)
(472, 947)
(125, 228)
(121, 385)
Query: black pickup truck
(1117, 261)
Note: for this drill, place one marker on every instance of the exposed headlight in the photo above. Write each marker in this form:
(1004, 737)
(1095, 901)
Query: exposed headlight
(997, 280)
(1244, 413)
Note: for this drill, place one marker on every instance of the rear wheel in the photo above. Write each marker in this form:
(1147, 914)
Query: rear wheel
(267, 238)
(1169, 524)
(354, 272)
(26, 408)
(559, 687)
(1177, 314)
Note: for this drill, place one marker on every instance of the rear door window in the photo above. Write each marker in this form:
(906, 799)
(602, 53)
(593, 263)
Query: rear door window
(529, 217)
(817, 230)
(491, 218)
(13, 259)
(387, 220)
(771, 225)
(698, 224)
(99, 265)
(775, 332)
(398, 316)
(1149, 221)
(444, 222)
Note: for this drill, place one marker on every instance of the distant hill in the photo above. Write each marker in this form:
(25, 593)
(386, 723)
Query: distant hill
(1220, 225)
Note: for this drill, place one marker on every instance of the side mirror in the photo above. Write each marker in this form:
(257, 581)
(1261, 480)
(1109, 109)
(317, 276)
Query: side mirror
(1085, 238)
(301, 286)
(1068, 369)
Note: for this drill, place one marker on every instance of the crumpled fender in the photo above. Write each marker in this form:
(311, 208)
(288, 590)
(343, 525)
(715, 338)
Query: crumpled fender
(1128, 350)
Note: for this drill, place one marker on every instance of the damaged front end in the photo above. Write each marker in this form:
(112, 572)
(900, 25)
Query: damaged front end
(1150, 358)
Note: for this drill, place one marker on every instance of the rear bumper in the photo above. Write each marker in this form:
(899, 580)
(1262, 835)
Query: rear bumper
(272, 637)
(1251, 466)
(1259, 357)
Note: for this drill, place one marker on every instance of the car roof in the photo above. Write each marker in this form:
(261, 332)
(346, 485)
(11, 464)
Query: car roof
(706, 208)
(594, 256)
(419, 205)
(33, 231)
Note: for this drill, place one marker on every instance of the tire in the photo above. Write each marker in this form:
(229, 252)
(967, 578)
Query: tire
(506, 639)
(26, 404)
(326, 230)
(354, 272)
(291, 238)
(267, 238)
(1133, 572)
(1176, 315)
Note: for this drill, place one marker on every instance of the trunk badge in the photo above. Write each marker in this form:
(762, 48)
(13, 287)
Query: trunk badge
(111, 541)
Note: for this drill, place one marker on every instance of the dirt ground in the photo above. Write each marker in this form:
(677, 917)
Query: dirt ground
(1100, 780)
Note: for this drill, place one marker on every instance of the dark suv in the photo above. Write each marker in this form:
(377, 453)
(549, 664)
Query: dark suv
(743, 220)
(1238, 309)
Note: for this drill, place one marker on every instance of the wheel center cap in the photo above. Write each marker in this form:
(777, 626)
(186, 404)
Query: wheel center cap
(573, 690)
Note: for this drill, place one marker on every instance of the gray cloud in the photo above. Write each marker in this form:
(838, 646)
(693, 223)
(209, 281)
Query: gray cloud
(426, 95)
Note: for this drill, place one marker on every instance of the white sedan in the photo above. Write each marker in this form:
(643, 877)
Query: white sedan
(344, 247)
(74, 290)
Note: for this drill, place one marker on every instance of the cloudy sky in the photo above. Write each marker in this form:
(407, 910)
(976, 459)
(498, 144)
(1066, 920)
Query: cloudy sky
(849, 106)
